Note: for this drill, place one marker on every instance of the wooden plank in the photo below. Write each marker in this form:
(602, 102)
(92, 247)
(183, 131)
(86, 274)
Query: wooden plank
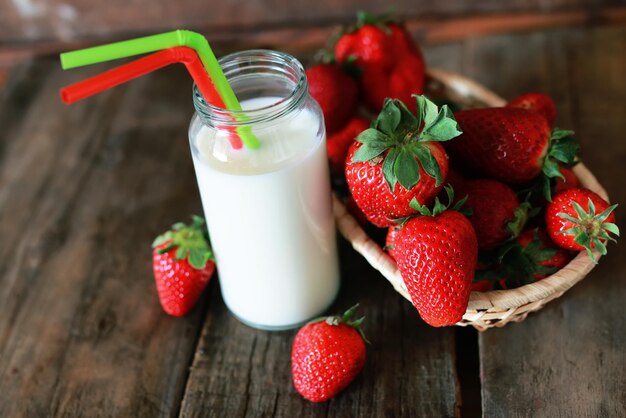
(82, 192)
(410, 368)
(303, 39)
(75, 19)
(568, 359)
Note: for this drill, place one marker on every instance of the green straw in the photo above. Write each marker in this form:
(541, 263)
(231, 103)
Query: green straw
(158, 42)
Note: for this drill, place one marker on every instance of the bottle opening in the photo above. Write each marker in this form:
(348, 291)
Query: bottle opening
(269, 83)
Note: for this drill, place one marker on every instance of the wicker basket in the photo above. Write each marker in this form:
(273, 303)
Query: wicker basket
(486, 309)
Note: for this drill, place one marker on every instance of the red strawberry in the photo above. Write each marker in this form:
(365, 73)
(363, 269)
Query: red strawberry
(536, 102)
(539, 249)
(392, 232)
(335, 91)
(337, 144)
(327, 355)
(579, 219)
(366, 44)
(436, 256)
(390, 62)
(400, 82)
(482, 285)
(455, 180)
(397, 159)
(569, 180)
(509, 144)
(530, 258)
(496, 213)
(183, 264)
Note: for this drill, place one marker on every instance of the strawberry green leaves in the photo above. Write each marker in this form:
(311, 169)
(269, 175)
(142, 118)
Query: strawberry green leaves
(404, 136)
(190, 241)
(438, 207)
(563, 150)
(591, 230)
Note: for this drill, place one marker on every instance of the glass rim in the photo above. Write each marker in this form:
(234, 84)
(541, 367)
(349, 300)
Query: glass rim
(266, 58)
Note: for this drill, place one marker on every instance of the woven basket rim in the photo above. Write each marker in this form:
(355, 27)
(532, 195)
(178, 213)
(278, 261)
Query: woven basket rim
(502, 303)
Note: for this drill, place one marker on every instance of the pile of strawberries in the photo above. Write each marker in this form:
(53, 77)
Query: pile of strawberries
(514, 211)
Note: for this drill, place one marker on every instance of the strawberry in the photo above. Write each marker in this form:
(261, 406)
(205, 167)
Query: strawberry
(541, 250)
(436, 255)
(327, 355)
(536, 102)
(568, 181)
(481, 285)
(337, 144)
(390, 63)
(399, 158)
(496, 213)
(183, 264)
(392, 232)
(532, 257)
(575, 228)
(511, 145)
(335, 91)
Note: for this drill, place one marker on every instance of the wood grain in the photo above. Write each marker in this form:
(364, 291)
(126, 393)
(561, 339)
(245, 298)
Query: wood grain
(569, 359)
(303, 39)
(75, 19)
(82, 192)
(410, 368)
(82, 189)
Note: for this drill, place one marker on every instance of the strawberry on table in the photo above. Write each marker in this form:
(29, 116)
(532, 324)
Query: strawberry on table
(337, 144)
(496, 213)
(399, 158)
(335, 91)
(436, 254)
(512, 145)
(536, 102)
(183, 264)
(390, 63)
(579, 219)
(327, 355)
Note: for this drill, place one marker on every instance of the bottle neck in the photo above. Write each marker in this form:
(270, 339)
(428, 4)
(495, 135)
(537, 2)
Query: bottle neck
(270, 84)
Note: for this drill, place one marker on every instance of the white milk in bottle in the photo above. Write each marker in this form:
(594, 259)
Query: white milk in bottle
(268, 210)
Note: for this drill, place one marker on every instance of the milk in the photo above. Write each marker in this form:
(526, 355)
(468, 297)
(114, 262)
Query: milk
(270, 219)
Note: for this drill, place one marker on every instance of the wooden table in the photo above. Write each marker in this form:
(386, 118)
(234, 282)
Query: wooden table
(83, 190)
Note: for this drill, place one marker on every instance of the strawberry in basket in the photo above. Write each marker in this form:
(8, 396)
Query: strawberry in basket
(580, 220)
(436, 255)
(496, 213)
(511, 145)
(338, 143)
(335, 91)
(536, 102)
(390, 63)
(398, 159)
(531, 257)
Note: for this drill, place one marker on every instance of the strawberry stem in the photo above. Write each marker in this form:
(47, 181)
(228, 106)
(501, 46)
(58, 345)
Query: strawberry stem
(345, 318)
(399, 138)
(590, 229)
(438, 207)
(190, 241)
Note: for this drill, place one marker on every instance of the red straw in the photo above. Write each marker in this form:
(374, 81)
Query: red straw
(145, 65)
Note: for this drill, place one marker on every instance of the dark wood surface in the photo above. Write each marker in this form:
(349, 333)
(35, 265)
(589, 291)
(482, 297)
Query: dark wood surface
(83, 189)
(28, 21)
